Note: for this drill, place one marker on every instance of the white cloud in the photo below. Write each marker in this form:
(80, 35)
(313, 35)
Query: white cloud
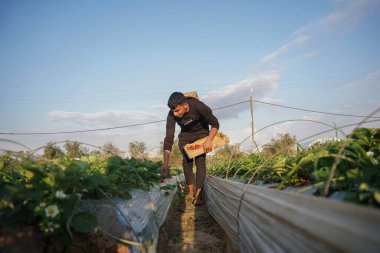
(347, 14)
(362, 101)
(237, 136)
(285, 48)
(244, 137)
(366, 87)
(308, 55)
(241, 91)
(270, 100)
(106, 118)
(152, 134)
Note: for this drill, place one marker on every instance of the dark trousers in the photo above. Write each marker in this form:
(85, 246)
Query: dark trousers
(187, 163)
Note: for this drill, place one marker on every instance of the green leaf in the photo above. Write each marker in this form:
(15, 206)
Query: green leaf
(68, 205)
(321, 173)
(376, 195)
(84, 158)
(353, 173)
(83, 165)
(84, 222)
(28, 174)
(72, 169)
(96, 179)
(363, 187)
(93, 158)
(363, 196)
(49, 180)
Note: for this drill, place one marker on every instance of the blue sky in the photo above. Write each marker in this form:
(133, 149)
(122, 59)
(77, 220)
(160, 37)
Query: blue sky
(75, 65)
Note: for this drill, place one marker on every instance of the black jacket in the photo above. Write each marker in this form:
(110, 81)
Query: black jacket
(194, 123)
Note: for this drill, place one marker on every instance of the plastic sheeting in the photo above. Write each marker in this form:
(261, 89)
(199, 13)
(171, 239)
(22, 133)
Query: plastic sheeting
(137, 219)
(268, 220)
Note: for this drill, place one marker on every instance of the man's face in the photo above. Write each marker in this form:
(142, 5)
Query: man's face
(180, 110)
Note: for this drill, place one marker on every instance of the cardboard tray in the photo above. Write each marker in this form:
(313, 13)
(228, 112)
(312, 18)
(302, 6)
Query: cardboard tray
(196, 148)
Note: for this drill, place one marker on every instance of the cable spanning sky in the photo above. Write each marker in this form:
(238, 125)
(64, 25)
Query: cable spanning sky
(76, 65)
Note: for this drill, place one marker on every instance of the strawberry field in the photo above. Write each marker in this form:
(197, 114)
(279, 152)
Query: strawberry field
(46, 196)
(357, 174)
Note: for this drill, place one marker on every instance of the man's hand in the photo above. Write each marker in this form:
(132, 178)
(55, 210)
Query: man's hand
(164, 171)
(207, 146)
(165, 165)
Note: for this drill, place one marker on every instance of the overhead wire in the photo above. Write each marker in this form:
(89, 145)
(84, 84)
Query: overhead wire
(158, 121)
(308, 110)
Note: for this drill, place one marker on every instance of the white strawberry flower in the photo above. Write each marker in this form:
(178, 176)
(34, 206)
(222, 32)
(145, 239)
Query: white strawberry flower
(370, 154)
(51, 211)
(60, 195)
(39, 207)
(52, 226)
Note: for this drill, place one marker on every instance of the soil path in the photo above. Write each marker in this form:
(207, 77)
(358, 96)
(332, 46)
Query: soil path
(192, 231)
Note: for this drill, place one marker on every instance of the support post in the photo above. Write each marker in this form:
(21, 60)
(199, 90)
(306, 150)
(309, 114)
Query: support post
(253, 130)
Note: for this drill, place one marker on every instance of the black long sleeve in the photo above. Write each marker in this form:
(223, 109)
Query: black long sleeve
(170, 129)
(195, 122)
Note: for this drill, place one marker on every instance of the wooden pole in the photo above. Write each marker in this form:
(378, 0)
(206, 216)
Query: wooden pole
(253, 130)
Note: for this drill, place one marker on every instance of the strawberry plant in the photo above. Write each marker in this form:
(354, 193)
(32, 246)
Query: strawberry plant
(357, 173)
(46, 193)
